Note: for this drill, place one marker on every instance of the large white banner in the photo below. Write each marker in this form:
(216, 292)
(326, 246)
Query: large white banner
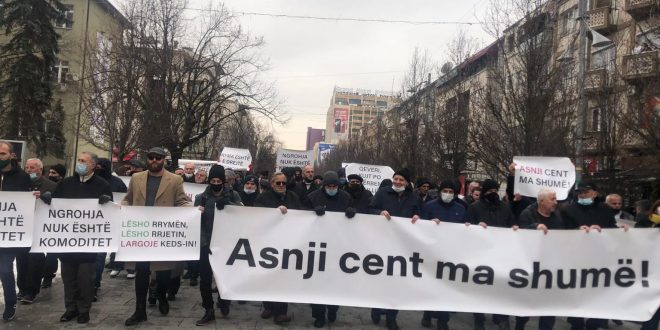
(16, 219)
(261, 255)
(372, 174)
(293, 158)
(535, 173)
(193, 189)
(199, 164)
(75, 225)
(235, 159)
(159, 234)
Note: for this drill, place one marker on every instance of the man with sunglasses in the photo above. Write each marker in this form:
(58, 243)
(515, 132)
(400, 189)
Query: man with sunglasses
(153, 187)
(329, 198)
(281, 198)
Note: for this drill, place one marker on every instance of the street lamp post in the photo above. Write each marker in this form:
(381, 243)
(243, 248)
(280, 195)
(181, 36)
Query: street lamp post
(582, 100)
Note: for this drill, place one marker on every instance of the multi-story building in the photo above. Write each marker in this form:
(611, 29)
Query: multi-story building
(86, 31)
(351, 109)
(314, 136)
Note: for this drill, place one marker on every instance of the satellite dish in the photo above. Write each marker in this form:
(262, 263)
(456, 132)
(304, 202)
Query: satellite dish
(446, 67)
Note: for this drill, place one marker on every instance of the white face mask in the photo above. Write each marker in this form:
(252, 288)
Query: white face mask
(398, 189)
(249, 191)
(188, 175)
(447, 197)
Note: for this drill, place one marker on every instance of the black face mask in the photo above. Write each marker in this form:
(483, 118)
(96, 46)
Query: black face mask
(492, 197)
(353, 187)
(53, 178)
(216, 187)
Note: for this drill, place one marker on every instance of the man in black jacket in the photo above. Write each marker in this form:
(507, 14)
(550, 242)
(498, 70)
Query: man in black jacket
(307, 185)
(79, 269)
(361, 196)
(328, 198)
(12, 178)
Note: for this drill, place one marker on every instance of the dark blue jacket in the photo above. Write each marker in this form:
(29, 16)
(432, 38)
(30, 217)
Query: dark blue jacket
(404, 206)
(437, 209)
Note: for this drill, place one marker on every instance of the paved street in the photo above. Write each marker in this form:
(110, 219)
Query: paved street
(116, 303)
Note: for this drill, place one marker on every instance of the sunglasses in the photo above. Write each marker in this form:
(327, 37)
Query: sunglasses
(152, 157)
(280, 183)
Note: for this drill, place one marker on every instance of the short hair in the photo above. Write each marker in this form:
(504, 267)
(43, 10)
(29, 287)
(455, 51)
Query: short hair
(40, 164)
(272, 178)
(92, 155)
(544, 193)
(201, 171)
(610, 196)
(9, 145)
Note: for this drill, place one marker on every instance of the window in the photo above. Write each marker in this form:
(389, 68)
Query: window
(567, 21)
(60, 72)
(596, 116)
(603, 58)
(65, 21)
(355, 101)
(341, 101)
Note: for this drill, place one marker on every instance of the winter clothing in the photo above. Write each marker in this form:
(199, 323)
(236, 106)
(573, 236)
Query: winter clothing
(208, 200)
(496, 214)
(361, 198)
(404, 172)
(530, 218)
(449, 212)
(272, 199)
(116, 184)
(217, 172)
(387, 199)
(576, 215)
(336, 203)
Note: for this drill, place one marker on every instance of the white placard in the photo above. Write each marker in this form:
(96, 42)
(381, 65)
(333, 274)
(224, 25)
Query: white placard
(294, 158)
(151, 233)
(373, 175)
(259, 254)
(535, 173)
(193, 189)
(235, 159)
(75, 225)
(16, 218)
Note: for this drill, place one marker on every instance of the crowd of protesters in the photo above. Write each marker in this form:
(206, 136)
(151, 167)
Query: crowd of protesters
(157, 283)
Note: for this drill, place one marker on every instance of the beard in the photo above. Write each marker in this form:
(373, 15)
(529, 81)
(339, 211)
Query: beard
(155, 166)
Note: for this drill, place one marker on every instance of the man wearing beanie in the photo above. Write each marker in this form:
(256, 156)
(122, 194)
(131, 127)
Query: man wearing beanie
(216, 195)
(422, 191)
(361, 196)
(250, 190)
(396, 200)
(328, 198)
(56, 172)
(489, 210)
(445, 207)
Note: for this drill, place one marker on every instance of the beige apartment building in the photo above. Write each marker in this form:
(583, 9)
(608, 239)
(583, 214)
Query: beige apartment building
(351, 109)
(89, 29)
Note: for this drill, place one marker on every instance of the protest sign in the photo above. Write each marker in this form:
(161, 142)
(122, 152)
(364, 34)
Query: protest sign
(75, 225)
(16, 219)
(151, 233)
(372, 174)
(235, 159)
(324, 150)
(535, 173)
(193, 189)
(199, 164)
(259, 254)
(294, 158)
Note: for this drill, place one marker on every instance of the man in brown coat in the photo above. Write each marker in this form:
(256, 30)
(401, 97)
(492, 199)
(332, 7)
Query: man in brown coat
(154, 187)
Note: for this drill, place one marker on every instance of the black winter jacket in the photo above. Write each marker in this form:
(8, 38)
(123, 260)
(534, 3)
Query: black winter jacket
(576, 215)
(406, 205)
(361, 199)
(493, 214)
(248, 199)
(272, 199)
(207, 199)
(530, 218)
(336, 203)
(14, 180)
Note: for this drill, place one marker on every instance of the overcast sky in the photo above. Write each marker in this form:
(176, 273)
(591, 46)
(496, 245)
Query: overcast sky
(309, 57)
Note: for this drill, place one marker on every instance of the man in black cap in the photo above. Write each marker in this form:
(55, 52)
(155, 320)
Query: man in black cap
(56, 172)
(216, 195)
(422, 191)
(328, 198)
(250, 190)
(361, 196)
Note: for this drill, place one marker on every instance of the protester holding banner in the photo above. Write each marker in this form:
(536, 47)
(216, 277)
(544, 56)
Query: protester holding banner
(281, 198)
(189, 173)
(12, 178)
(30, 266)
(154, 187)
(489, 210)
(249, 192)
(56, 173)
(79, 269)
(361, 196)
(397, 200)
(292, 185)
(422, 190)
(215, 196)
(447, 208)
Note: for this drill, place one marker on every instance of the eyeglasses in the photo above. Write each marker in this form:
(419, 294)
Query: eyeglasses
(153, 157)
(279, 183)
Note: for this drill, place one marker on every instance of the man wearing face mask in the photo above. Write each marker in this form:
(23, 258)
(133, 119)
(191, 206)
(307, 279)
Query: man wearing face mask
(12, 178)
(489, 210)
(30, 266)
(397, 200)
(189, 173)
(444, 208)
(216, 195)
(249, 192)
(56, 173)
(79, 269)
(328, 198)
(361, 196)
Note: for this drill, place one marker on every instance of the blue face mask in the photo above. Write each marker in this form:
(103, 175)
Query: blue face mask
(342, 181)
(33, 176)
(585, 201)
(331, 192)
(81, 168)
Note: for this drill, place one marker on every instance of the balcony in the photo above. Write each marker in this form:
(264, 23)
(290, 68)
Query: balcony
(642, 65)
(600, 19)
(596, 81)
(641, 9)
(591, 142)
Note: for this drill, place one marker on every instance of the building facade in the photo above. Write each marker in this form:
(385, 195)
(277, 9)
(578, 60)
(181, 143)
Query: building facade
(314, 136)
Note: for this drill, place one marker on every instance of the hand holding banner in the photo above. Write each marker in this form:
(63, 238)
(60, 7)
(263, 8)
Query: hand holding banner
(16, 219)
(535, 173)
